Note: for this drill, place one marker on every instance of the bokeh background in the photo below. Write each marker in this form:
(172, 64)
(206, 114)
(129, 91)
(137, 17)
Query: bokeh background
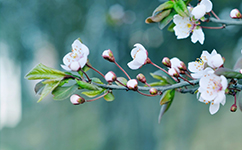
(42, 31)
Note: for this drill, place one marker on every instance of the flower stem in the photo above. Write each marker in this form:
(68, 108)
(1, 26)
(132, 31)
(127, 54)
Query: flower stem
(120, 83)
(85, 74)
(186, 80)
(187, 74)
(95, 70)
(97, 97)
(147, 84)
(122, 70)
(223, 26)
(145, 94)
(215, 15)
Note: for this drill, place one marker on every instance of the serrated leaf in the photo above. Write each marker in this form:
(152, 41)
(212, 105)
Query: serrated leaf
(86, 85)
(167, 96)
(238, 64)
(163, 23)
(171, 26)
(109, 97)
(93, 93)
(43, 72)
(61, 93)
(39, 87)
(47, 89)
(161, 75)
(96, 80)
(122, 80)
(228, 73)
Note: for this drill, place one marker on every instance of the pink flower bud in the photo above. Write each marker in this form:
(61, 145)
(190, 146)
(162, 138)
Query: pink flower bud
(141, 78)
(173, 72)
(153, 91)
(108, 55)
(166, 61)
(235, 14)
(182, 66)
(233, 108)
(132, 84)
(110, 76)
(76, 99)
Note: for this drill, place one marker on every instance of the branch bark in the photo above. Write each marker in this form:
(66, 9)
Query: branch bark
(226, 22)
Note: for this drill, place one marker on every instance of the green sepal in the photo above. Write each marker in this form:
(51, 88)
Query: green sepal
(61, 93)
(158, 17)
(93, 93)
(39, 87)
(86, 85)
(109, 97)
(228, 73)
(47, 89)
(163, 23)
(171, 26)
(167, 96)
(160, 75)
(122, 80)
(179, 9)
(43, 72)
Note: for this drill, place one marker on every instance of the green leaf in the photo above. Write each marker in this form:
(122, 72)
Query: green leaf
(47, 89)
(61, 93)
(86, 85)
(160, 8)
(238, 64)
(167, 96)
(183, 6)
(93, 93)
(228, 73)
(39, 87)
(163, 23)
(161, 75)
(178, 8)
(43, 72)
(48, 81)
(122, 80)
(96, 80)
(171, 26)
(109, 97)
(158, 17)
(161, 83)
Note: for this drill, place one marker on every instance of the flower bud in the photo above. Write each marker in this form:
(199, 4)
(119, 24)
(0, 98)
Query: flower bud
(108, 55)
(173, 72)
(132, 84)
(240, 71)
(153, 91)
(166, 61)
(182, 66)
(141, 78)
(233, 108)
(76, 99)
(235, 14)
(110, 76)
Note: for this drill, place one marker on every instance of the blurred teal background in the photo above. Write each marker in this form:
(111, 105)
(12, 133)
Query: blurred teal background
(34, 31)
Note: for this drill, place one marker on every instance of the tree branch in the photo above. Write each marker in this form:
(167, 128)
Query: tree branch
(226, 22)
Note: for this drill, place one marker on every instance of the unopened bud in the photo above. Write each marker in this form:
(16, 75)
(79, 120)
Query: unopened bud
(235, 14)
(108, 55)
(182, 66)
(132, 84)
(240, 71)
(141, 78)
(110, 76)
(76, 99)
(153, 91)
(166, 61)
(173, 72)
(233, 108)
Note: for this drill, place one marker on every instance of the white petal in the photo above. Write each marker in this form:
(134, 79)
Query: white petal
(214, 52)
(215, 61)
(219, 98)
(85, 50)
(199, 11)
(208, 4)
(213, 108)
(224, 82)
(83, 61)
(205, 56)
(134, 65)
(139, 46)
(75, 66)
(197, 75)
(67, 59)
(141, 57)
(198, 35)
(65, 68)
(181, 32)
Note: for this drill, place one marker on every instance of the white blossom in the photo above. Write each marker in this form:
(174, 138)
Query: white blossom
(235, 14)
(212, 90)
(202, 8)
(110, 76)
(76, 59)
(132, 84)
(139, 55)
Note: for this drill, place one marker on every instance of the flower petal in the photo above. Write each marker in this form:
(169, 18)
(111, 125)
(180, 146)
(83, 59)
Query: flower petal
(208, 4)
(213, 108)
(67, 59)
(198, 35)
(199, 11)
(224, 82)
(219, 98)
(141, 57)
(134, 65)
(215, 61)
(83, 61)
(65, 68)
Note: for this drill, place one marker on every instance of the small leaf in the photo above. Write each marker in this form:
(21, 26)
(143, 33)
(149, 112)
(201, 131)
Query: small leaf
(167, 96)
(160, 16)
(238, 64)
(161, 83)
(122, 80)
(61, 93)
(177, 7)
(43, 72)
(47, 89)
(163, 23)
(109, 97)
(96, 80)
(183, 6)
(39, 87)
(86, 85)
(171, 26)
(228, 73)
(161, 75)
(93, 93)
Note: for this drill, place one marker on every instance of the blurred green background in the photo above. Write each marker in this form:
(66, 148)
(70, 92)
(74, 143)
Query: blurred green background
(42, 31)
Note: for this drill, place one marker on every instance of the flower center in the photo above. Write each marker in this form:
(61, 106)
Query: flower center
(189, 25)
